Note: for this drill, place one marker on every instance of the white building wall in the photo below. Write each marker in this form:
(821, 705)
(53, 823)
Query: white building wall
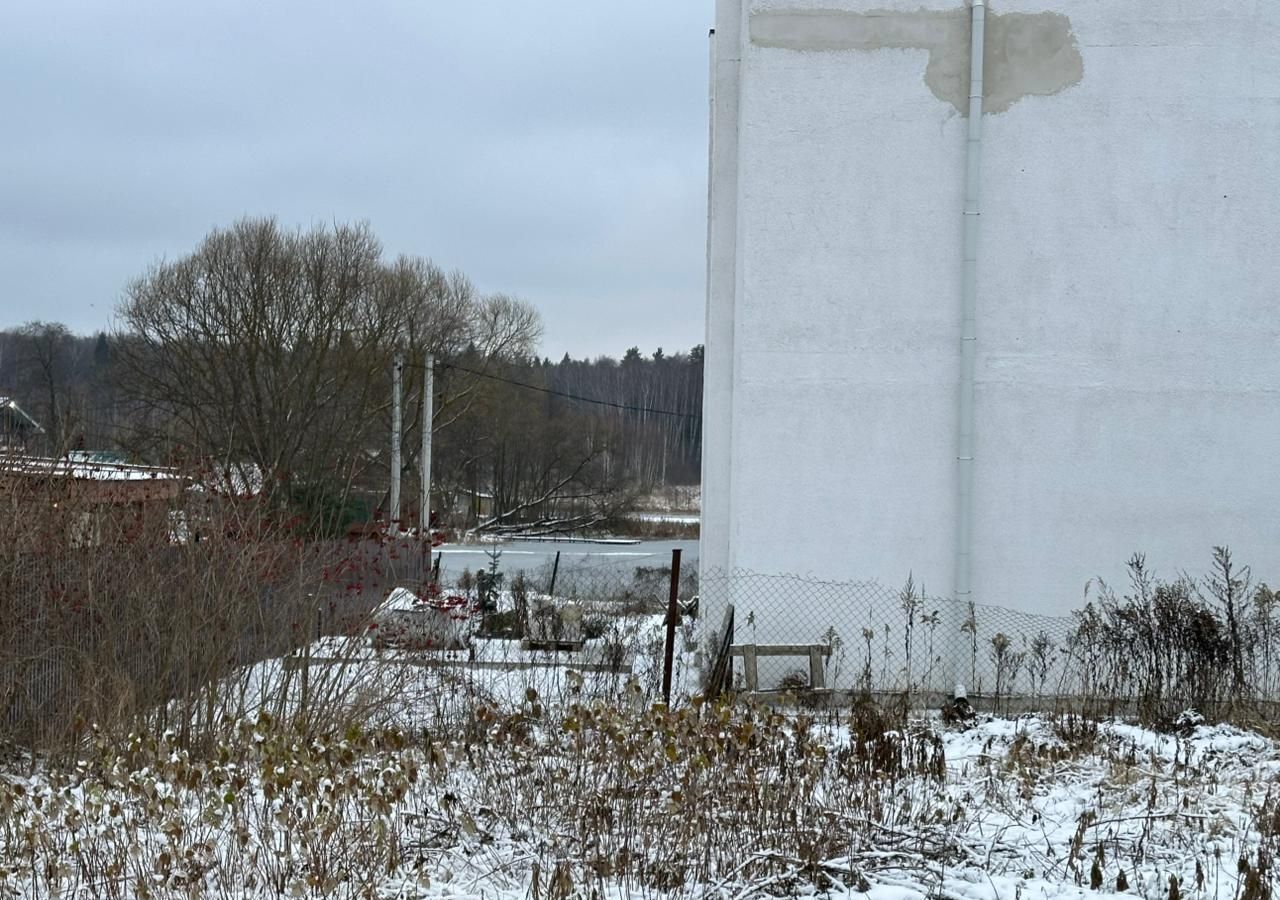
(1128, 382)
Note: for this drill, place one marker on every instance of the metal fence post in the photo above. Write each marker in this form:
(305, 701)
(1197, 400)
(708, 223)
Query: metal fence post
(555, 570)
(673, 613)
(306, 663)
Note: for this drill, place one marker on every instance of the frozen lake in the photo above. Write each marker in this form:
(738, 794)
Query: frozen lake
(535, 556)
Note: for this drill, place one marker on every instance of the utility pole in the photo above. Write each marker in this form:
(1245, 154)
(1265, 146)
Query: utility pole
(397, 368)
(428, 410)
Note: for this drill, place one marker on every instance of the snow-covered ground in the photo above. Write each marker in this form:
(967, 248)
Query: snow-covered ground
(416, 689)
(570, 797)
(682, 498)
(667, 517)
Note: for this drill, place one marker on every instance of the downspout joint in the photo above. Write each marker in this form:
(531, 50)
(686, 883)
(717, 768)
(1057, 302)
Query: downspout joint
(969, 303)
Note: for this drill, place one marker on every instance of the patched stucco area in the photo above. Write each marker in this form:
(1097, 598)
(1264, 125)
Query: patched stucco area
(1026, 53)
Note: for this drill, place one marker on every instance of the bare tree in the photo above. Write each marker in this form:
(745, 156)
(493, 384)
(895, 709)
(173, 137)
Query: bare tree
(264, 349)
(270, 350)
(48, 351)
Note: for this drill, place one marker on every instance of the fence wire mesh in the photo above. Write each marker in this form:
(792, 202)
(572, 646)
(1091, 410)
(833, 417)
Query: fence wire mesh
(597, 628)
(881, 639)
(1155, 649)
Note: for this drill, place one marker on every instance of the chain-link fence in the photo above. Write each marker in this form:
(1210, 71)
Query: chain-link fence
(879, 639)
(505, 627)
(1156, 650)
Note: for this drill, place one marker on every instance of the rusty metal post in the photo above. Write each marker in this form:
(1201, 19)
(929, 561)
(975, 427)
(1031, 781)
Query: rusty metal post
(673, 614)
(555, 569)
(393, 514)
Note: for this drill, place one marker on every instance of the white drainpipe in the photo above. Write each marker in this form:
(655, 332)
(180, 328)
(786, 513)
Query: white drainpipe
(969, 305)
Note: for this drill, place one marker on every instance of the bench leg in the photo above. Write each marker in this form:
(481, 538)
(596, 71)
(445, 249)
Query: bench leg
(817, 675)
(749, 672)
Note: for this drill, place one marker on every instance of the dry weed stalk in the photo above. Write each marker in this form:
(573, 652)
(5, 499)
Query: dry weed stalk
(160, 614)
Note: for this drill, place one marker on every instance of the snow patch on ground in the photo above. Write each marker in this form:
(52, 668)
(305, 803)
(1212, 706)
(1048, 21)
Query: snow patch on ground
(1028, 808)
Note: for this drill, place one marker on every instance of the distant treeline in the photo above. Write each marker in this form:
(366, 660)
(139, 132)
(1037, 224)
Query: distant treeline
(641, 419)
(272, 350)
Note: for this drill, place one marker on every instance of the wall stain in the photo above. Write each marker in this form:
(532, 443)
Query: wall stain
(1026, 53)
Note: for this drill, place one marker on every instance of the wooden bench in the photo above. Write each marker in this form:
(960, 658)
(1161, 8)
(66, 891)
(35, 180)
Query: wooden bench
(815, 653)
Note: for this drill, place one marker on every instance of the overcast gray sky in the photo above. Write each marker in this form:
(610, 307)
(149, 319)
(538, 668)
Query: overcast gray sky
(556, 151)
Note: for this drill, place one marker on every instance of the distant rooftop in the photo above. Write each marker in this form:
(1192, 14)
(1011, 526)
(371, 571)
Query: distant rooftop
(9, 405)
(97, 456)
(85, 470)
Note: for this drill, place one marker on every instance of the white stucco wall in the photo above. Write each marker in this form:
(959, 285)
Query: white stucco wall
(1128, 316)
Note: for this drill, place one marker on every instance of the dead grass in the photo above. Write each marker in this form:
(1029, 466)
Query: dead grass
(636, 796)
(154, 617)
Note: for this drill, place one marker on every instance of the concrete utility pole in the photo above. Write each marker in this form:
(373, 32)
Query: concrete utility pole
(428, 410)
(397, 368)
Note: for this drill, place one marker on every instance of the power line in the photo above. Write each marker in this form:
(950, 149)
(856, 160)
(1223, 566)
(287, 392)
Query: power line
(555, 393)
(119, 404)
